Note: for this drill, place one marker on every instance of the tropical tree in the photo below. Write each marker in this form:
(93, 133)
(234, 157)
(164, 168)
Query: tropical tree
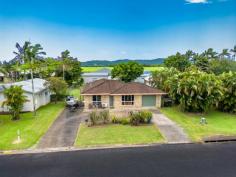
(29, 56)
(224, 54)
(127, 72)
(57, 86)
(159, 77)
(21, 55)
(194, 90)
(65, 62)
(190, 55)
(202, 63)
(178, 61)
(221, 66)
(228, 101)
(15, 100)
(234, 52)
(210, 53)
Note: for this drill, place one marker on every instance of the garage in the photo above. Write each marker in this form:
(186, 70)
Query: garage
(148, 100)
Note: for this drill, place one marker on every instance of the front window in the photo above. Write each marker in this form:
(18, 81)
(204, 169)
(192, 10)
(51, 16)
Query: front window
(97, 100)
(127, 99)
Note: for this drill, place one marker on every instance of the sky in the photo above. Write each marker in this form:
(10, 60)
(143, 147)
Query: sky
(117, 29)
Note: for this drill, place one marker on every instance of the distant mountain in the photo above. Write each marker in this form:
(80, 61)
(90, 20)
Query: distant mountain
(111, 63)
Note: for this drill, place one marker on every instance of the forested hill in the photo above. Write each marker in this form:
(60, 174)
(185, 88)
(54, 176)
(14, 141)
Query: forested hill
(111, 63)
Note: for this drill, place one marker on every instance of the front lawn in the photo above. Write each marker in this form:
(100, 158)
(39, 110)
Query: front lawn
(117, 135)
(218, 123)
(31, 128)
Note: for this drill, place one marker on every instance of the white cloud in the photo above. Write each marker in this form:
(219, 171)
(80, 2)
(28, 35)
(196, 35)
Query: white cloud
(197, 1)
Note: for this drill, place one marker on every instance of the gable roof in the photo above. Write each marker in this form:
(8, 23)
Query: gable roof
(115, 87)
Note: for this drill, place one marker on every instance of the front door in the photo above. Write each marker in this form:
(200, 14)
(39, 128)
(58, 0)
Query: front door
(111, 101)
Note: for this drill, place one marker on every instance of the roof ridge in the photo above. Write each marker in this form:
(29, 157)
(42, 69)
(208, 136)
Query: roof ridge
(123, 84)
(95, 85)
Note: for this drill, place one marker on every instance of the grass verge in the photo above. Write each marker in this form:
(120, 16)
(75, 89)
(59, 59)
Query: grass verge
(117, 135)
(218, 123)
(31, 128)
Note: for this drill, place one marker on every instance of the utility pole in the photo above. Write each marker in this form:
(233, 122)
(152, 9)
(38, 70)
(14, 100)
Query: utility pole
(32, 82)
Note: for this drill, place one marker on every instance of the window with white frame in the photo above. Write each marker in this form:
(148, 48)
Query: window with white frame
(127, 99)
(97, 99)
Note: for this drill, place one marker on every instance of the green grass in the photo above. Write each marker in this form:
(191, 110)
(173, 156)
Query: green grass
(93, 69)
(218, 123)
(117, 135)
(31, 128)
(74, 92)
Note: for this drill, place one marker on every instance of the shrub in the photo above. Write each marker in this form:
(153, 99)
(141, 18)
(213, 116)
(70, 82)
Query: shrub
(135, 118)
(94, 118)
(125, 121)
(104, 115)
(115, 120)
(146, 116)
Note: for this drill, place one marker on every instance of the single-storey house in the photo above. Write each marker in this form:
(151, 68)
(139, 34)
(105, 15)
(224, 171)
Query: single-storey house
(93, 76)
(141, 79)
(42, 94)
(119, 95)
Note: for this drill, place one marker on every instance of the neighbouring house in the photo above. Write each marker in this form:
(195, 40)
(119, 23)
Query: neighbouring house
(119, 95)
(93, 76)
(141, 79)
(42, 94)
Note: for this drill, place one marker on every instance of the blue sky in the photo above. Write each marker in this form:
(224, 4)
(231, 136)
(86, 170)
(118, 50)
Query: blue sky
(109, 29)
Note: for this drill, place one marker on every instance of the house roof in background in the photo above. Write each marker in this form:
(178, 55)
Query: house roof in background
(101, 72)
(27, 85)
(115, 87)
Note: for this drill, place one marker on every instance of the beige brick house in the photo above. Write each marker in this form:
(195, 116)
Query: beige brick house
(119, 95)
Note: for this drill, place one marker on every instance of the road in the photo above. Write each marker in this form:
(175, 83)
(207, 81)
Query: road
(189, 160)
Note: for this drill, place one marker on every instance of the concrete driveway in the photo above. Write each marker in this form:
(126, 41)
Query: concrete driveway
(172, 132)
(63, 131)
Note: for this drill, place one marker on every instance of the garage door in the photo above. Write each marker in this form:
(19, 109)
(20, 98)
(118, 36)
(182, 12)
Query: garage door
(149, 100)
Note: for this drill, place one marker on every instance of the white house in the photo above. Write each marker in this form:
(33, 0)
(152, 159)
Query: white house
(42, 94)
(93, 76)
(142, 78)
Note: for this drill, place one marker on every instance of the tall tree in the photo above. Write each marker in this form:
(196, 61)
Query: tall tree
(15, 100)
(21, 55)
(65, 62)
(210, 53)
(178, 61)
(29, 56)
(127, 72)
(224, 54)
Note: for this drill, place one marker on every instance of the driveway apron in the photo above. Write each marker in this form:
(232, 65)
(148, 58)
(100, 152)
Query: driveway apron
(172, 132)
(63, 131)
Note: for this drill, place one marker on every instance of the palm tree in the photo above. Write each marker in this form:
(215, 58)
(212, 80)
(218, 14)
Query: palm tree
(224, 54)
(34, 54)
(210, 53)
(234, 52)
(21, 55)
(65, 59)
(190, 55)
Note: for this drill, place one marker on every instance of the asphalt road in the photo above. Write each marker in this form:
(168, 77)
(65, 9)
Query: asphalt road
(192, 160)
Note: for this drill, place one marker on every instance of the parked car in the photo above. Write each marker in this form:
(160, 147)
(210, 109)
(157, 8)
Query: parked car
(71, 101)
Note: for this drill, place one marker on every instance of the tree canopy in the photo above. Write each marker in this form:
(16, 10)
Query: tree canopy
(127, 72)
